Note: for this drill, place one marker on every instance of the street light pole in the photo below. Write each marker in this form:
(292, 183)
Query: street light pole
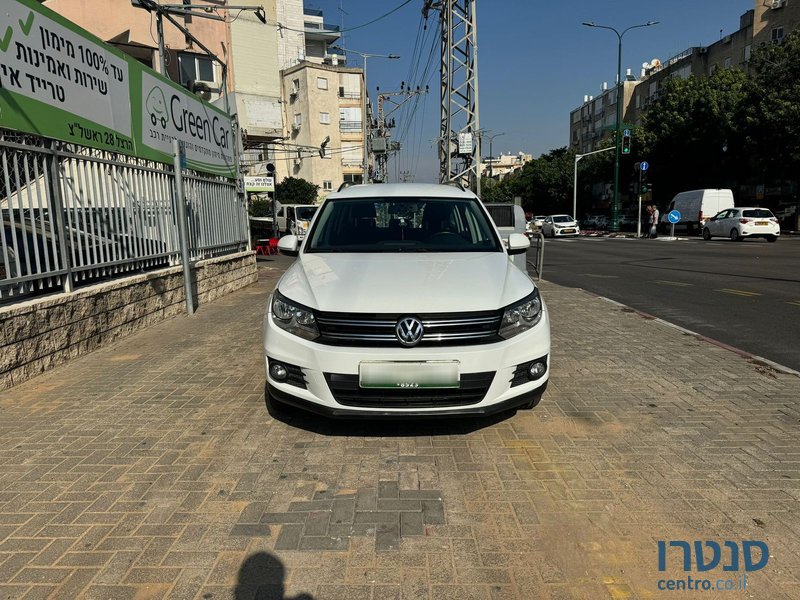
(578, 157)
(365, 126)
(620, 92)
(491, 154)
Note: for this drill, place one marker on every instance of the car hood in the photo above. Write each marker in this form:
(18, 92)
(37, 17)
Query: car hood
(404, 282)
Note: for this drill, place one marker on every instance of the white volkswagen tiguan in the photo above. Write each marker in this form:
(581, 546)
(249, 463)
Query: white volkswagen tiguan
(403, 301)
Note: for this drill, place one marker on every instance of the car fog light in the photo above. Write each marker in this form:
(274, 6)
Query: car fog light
(536, 370)
(278, 372)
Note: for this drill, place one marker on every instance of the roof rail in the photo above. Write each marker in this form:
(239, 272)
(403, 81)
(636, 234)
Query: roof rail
(457, 184)
(345, 185)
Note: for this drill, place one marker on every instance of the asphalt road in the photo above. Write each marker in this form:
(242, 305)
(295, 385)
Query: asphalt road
(744, 294)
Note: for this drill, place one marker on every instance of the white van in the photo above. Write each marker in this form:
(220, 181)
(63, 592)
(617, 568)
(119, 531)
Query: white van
(696, 207)
(294, 219)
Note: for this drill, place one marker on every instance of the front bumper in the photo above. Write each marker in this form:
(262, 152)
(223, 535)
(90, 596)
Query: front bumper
(568, 231)
(316, 360)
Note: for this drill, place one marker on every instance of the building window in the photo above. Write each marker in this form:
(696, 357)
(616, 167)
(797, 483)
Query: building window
(325, 118)
(295, 86)
(352, 178)
(322, 83)
(728, 63)
(327, 186)
(298, 119)
(746, 53)
(777, 35)
(194, 67)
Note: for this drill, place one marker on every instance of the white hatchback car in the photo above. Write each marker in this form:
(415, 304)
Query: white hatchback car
(559, 226)
(741, 223)
(403, 301)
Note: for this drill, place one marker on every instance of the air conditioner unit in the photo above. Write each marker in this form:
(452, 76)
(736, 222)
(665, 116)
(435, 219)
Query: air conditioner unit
(703, 50)
(778, 4)
(777, 41)
(295, 126)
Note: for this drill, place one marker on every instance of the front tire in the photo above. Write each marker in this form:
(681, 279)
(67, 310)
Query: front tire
(706, 234)
(735, 237)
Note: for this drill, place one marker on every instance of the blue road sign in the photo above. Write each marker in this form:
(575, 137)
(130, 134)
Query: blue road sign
(626, 132)
(674, 216)
(644, 165)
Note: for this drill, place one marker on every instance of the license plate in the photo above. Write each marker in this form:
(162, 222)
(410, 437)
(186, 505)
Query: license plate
(409, 375)
(762, 222)
(567, 231)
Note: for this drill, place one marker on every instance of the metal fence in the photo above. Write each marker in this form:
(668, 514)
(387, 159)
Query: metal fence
(72, 215)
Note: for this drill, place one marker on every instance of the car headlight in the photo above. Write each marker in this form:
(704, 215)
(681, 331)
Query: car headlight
(521, 315)
(293, 317)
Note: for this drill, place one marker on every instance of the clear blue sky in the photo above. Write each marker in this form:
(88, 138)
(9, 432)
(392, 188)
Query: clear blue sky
(535, 60)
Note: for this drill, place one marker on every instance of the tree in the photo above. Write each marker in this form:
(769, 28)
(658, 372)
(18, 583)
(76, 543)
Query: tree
(493, 190)
(772, 121)
(294, 190)
(545, 184)
(693, 132)
(261, 208)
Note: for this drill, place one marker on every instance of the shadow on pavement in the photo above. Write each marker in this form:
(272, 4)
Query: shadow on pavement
(261, 578)
(380, 427)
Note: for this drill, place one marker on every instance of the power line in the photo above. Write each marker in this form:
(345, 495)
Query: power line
(375, 20)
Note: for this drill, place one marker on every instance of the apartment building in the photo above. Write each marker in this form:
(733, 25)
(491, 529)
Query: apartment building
(596, 118)
(133, 31)
(323, 107)
(769, 22)
(499, 167)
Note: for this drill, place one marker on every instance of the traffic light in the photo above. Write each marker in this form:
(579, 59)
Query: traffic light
(626, 144)
(645, 185)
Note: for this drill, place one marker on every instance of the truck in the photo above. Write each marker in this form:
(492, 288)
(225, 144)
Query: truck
(294, 219)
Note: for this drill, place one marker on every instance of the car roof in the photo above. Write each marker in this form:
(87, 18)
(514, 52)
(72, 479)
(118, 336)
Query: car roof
(561, 215)
(751, 208)
(402, 190)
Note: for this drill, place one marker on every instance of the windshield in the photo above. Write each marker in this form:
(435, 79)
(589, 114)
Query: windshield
(305, 213)
(562, 219)
(403, 225)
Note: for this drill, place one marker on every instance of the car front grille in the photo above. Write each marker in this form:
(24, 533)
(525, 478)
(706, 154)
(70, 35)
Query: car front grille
(472, 389)
(378, 330)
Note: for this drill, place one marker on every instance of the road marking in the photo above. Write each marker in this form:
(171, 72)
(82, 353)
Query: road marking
(596, 276)
(793, 302)
(738, 292)
(676, 283)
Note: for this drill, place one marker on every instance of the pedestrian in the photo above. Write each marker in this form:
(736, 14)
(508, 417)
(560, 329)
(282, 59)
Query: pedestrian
(654, 222)
(648, 218)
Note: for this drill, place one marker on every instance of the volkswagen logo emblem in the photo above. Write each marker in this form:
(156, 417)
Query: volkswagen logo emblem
(409, 331)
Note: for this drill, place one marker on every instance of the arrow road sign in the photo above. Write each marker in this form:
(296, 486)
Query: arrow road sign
(674, 216)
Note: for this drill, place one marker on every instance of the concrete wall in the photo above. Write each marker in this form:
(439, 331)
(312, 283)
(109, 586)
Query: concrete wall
(42, 333)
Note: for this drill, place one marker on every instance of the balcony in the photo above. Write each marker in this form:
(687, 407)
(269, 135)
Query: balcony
(351, 126)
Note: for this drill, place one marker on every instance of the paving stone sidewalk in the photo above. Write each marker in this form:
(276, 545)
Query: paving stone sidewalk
(152, 469)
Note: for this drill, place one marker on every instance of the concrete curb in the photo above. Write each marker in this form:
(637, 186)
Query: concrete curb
(738, 351)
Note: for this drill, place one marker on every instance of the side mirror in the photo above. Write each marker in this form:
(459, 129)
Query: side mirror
(518, 243)
(289, 245)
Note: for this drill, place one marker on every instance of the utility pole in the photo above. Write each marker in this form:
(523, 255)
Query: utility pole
(459, 143)
(381, 145)
(364, 105)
